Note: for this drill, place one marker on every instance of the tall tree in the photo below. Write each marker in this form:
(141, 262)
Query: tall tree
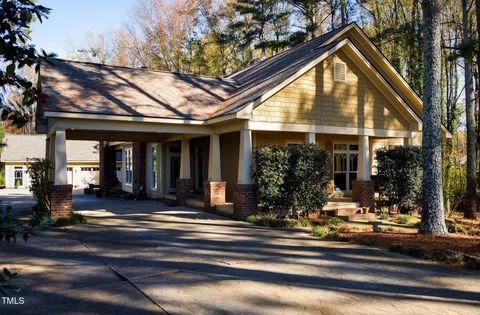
(433, 218)
(467, 53)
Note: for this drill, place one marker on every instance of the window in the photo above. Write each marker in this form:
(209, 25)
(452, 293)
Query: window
(339, 71)
(128, 166)
(89, 169)
(154, 166)
(18, 176)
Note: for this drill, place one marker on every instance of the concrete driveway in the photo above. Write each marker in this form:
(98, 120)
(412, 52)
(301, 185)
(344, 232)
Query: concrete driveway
(142, 257)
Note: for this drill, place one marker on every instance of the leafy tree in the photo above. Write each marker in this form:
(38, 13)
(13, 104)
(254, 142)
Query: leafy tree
(16, 17)
(433, 218)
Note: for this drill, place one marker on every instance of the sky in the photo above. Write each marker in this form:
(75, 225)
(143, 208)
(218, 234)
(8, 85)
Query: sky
(70, 20)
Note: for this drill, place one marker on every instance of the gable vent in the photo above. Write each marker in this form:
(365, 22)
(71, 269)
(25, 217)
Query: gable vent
(339, 71)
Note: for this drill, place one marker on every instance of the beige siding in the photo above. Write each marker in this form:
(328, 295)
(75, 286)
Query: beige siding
(315, 98)
(229, 145)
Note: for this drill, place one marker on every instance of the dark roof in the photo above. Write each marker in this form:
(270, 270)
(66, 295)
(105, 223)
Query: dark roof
(94, 88)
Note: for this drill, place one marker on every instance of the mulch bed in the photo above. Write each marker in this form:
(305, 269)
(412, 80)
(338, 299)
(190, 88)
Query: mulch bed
(466, 245)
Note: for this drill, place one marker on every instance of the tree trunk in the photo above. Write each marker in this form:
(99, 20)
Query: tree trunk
(470, 198)
(433, 218)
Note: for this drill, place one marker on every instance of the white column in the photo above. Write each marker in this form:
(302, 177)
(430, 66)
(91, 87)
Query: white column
(185, 159)
(60, 158)
(363, 158)
(245, 157)
(310, 138)
(214, 168)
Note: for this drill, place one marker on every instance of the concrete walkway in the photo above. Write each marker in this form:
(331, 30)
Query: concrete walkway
(142, 257)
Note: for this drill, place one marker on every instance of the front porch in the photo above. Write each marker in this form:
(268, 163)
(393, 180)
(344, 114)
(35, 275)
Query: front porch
(208, 167)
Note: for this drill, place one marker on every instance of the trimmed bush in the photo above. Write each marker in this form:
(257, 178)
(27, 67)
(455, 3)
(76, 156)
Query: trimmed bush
(400, 176)
(269, 173)
(291, 178)
(308, 178)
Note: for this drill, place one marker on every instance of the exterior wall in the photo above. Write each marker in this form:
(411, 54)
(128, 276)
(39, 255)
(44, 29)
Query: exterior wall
(79, 176)
(315, 98)
(229, 146)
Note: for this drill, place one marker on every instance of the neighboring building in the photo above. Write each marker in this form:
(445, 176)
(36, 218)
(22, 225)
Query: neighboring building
(176, 133)
(82, 164)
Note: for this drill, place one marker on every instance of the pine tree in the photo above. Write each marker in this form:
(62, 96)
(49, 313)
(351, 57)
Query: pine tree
(433, 219)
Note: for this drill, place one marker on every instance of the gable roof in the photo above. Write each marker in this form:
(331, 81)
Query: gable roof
(99, 89)
(20, 148)
(81, 87)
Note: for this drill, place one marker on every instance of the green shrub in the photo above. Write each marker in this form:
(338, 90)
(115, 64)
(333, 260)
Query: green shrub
(454, 227)
(291, 178)
(38, 170)
(400, 176)
(454, 258)
(73, 218)
(320, 231)
(269, 171)
(405, 219)
(308, 177)
(271, 220)
(383, 216)
(331, 221)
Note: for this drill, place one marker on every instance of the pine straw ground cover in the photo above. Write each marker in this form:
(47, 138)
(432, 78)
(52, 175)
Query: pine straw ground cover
(460, 249)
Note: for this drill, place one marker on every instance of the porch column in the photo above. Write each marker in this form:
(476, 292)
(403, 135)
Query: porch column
(60, 193)
(362, 190)
(184, 182)
(363, 158)
(244, 196)
(214, 187)
(310, 138)
(60, 158)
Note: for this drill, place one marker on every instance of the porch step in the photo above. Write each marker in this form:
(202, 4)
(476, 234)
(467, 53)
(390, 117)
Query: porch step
(343, 203)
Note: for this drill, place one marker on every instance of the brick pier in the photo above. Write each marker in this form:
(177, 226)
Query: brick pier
(214, 193)
(244, 200)
(362, 192)
(60, 197)
(184, 189)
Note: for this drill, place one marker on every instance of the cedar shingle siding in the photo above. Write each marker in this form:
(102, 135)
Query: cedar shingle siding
(315, 98)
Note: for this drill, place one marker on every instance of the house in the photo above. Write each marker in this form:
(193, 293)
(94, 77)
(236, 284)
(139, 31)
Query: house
(193, 135)
(82, 164)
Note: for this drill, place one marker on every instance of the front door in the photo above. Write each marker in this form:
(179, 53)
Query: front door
(345, 165)
(173, 165)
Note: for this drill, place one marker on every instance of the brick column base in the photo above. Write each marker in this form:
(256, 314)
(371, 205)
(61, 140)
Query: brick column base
(214, 193)
(60, 197)
(244, 200)
(184, 189)
(362, 192)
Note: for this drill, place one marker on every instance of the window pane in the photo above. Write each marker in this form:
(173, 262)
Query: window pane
(154, 166)
(340, 162)
(353, 162)
(340, 146)
(354, 147)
